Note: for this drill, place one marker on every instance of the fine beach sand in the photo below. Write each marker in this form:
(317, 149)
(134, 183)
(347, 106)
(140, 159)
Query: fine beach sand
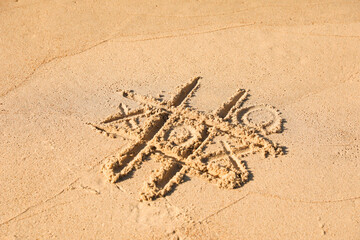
(179, 120)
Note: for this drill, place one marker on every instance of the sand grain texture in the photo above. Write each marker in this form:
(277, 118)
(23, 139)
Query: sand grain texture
(68, 65)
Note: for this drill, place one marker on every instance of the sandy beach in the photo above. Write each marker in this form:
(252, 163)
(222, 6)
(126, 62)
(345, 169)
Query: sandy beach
(179, 120)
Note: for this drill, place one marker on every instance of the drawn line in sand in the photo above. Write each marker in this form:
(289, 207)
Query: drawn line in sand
(187, 141)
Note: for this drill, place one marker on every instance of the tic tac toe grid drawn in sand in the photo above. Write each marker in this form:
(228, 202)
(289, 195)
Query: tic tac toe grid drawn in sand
(187, 141)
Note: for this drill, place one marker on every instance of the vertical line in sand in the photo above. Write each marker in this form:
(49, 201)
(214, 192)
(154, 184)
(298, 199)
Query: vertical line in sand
(131, 154)
(183, 92)
(223, 111)
(233, 102)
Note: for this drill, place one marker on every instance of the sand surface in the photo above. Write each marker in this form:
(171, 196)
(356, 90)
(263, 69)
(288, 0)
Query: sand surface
(287, 155)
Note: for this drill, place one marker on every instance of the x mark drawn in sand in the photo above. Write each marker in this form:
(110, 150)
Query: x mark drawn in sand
(187, 141)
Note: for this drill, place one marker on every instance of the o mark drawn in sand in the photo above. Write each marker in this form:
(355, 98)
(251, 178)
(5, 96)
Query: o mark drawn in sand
(186, 141)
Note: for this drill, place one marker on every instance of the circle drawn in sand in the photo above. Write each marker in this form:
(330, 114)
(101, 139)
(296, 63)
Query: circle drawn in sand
(263, 118)
(180, 135)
